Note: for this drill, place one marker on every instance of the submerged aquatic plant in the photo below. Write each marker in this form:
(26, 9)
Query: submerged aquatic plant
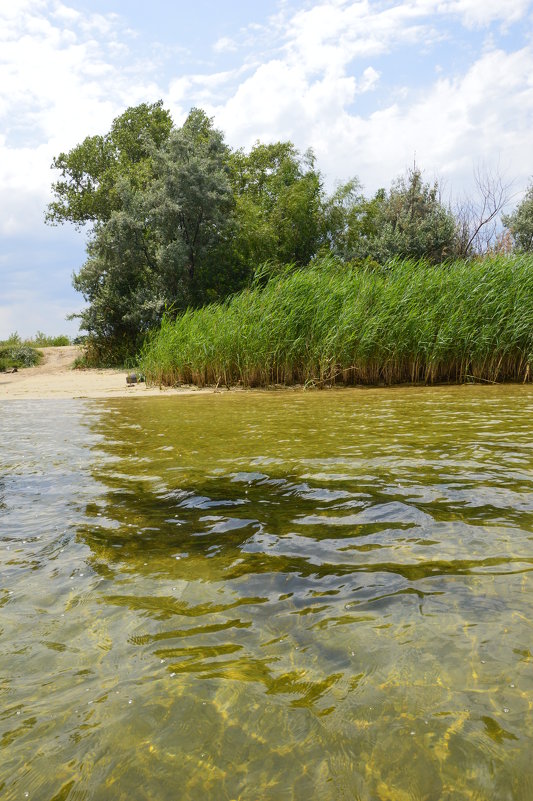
(331, 323)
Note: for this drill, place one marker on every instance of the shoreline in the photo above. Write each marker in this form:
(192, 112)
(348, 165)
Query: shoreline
(54, 378)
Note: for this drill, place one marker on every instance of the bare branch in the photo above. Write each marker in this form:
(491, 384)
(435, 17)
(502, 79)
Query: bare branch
(477, 219)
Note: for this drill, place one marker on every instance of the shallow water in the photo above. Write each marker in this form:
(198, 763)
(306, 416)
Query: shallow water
(268, 596)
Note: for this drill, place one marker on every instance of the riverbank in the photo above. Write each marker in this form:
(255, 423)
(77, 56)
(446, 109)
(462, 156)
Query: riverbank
(55, 378)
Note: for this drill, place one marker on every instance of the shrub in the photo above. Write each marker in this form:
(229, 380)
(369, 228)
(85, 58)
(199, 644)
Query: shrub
(18, 356)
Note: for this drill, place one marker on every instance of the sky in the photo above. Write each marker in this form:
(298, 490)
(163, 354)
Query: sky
(371, 86)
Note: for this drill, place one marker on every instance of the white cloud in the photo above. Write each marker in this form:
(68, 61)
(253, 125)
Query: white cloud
(69, 15)
(482, 12)
(484, 116)
(65, 75)
(332, 34)
(310, 93)
(62, 79)
(225, 45)
(368, 80)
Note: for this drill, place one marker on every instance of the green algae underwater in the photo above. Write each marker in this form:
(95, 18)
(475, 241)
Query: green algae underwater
(268, 595)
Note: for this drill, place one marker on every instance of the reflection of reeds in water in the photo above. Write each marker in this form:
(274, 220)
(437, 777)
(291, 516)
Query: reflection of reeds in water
(410, 322)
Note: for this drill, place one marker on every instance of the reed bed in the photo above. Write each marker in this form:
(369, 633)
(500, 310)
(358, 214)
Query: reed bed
(407, 323)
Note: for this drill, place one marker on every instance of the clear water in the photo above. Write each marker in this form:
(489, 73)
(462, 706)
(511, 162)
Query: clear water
(268, 596)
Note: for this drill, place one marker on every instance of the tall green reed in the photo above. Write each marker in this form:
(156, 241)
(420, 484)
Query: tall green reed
(331, 323)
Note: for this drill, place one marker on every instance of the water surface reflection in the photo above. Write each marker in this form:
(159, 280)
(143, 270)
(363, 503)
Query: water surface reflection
(268, 595)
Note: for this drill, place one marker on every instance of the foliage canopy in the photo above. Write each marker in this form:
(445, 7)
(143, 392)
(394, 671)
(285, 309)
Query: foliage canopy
(87, 190)
(178, 219)
(520, 223)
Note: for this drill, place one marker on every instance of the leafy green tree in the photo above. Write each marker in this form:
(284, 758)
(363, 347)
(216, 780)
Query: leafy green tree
(87, 190)
(190, 206)
(411, 222)
(408, 221)
(278, 195)
(351, 221)
(119, 279)
(520, 223)
(156, 248)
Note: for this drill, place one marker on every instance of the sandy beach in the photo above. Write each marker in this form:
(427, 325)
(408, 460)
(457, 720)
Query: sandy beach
(55, 378)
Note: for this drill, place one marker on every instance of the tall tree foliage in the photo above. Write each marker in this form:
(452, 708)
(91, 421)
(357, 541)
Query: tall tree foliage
(119, 280)
(408, 221)
(412, 222)
(350, 221)
(153, 250)
(520, 223)
(190, 206)
(278, 195)
(88, 188)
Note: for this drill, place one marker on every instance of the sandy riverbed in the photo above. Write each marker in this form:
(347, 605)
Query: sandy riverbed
(55, 378)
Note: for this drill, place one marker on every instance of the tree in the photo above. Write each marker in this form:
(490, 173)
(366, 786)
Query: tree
(87, 189)
(350, 221)
(119, 280)
(408, 221)
(278, 195)
(477, 218)
(154, 250)
(520, 223)
(190, 204)
(411, 222)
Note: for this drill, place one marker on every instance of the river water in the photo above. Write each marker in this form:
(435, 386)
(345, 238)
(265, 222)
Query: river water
(268, 596)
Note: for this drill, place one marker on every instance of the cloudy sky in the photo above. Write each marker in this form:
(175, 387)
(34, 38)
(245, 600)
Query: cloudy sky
(370, 85)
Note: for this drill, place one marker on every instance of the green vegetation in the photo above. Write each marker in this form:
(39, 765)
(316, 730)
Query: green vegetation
(179, 221)
(520, 223)
(41, 340)
(408, 322)
(18, 356)
(16, 352)
(90, 174)
(408, 222)
(103, 353)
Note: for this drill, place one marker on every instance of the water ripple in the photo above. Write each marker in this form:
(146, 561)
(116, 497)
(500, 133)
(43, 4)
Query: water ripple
(321, 595)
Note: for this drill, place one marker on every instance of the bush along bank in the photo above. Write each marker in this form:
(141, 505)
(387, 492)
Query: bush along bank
(409, 322)
(17, 356)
